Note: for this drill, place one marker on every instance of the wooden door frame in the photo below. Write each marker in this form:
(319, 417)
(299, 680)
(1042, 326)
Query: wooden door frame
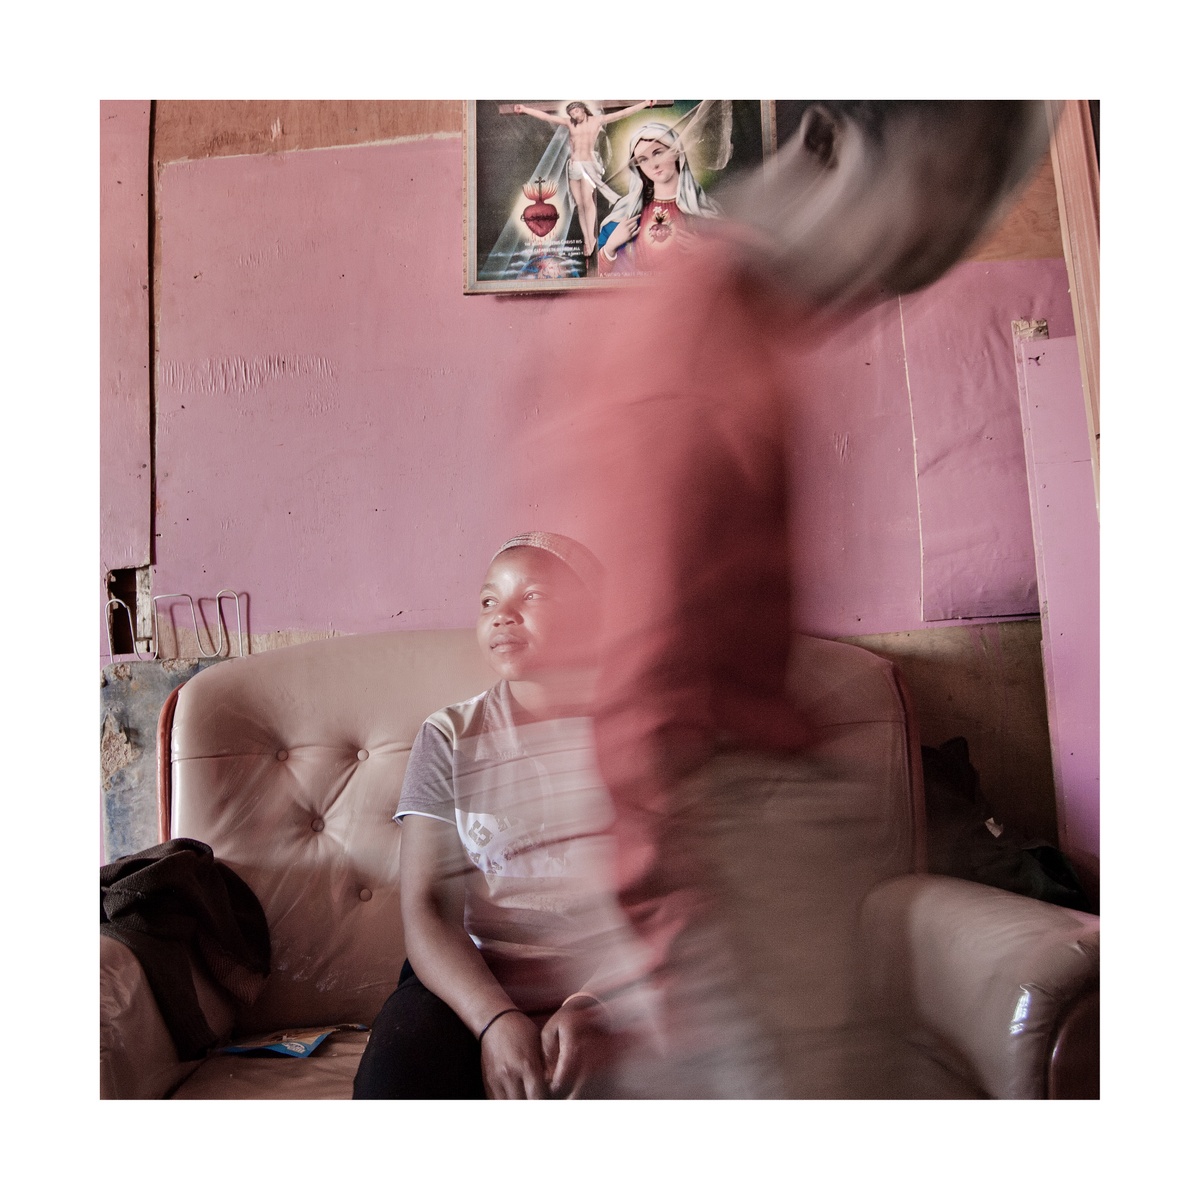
(1077, 182)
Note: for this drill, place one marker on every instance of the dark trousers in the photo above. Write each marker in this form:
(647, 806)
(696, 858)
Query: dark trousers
(418, 1050)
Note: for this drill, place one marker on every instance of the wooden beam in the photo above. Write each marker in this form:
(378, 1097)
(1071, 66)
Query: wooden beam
(1077, 180)
(1030, 229)
(189, 129)
(553, 106)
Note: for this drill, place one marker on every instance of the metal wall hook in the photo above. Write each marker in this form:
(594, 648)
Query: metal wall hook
(195, 624)
(156, 645)
(220, 648)
(237, 608)
(132, 638)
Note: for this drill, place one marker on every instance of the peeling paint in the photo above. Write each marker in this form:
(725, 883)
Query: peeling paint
(239, 376)
(260, 642)
(116, 751)
(131, 699)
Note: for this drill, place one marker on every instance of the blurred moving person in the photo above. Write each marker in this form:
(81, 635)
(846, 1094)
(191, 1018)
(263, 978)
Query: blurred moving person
(666, 448)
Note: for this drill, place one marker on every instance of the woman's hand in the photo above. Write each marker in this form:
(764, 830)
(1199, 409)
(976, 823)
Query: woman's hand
(573, 1045)
(625, 231)
(511, 1056)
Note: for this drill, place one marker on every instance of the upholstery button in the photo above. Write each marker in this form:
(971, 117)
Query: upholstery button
(364, 894)
(281, 755)
(317, 825)
(363, 755)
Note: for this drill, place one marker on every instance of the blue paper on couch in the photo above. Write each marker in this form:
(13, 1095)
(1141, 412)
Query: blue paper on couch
(294, 1043)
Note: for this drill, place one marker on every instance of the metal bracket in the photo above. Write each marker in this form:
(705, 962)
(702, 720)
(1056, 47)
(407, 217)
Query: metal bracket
(221, 647)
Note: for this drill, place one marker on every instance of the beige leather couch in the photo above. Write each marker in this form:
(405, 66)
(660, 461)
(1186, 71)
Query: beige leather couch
(289, 763)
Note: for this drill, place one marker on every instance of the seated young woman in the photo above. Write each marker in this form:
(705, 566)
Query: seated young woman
(523, 977)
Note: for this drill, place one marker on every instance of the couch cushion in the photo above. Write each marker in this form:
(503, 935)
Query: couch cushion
(327, 1074)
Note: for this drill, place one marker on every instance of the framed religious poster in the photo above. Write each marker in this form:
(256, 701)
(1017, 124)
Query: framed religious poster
(564, 194)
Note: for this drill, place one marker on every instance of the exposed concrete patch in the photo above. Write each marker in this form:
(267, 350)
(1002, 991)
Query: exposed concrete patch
(289, 637)
(132, 694)
(116, 752)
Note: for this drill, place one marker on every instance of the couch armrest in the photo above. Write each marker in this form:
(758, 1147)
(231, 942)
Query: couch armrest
(1002, 988)
(137, 1056)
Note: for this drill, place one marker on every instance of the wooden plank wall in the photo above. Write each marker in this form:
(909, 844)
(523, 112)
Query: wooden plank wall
(189, 129)
(1031, 227)
(192, 129)
(983, 682)
(1077, 175)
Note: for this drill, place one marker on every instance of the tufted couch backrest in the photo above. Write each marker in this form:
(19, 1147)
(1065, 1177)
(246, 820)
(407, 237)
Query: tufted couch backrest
(289, 764)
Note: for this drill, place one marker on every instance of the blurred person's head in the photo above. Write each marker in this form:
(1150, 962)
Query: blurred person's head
(538, 608)
(578, 111)
(875, 198)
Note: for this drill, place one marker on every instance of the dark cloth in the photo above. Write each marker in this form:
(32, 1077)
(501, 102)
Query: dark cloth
(171, 902)
(964, 841)
(418, 1050)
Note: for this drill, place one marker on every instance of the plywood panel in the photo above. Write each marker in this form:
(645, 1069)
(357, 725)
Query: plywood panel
(124, 334)
(976, 539)
(856, 552)
(125, 457)
(332, 412)
(1077, 174)
(1067, 537)
(328, 434)
(985, 683)
(1031, 228)
(188, 129)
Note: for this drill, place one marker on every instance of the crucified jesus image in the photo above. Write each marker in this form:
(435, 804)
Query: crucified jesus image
(585, 172)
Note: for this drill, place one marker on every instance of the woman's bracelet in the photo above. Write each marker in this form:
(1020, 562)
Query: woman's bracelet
(502, 1013)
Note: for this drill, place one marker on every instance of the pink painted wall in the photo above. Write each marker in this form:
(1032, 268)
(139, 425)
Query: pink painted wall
(333, 412)
(977, 555)
(329, 432)
(331, 436)
(908, 460)
(124, 337)
(1067, 535)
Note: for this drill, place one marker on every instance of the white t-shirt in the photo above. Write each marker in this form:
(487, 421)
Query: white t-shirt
(534, 822)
